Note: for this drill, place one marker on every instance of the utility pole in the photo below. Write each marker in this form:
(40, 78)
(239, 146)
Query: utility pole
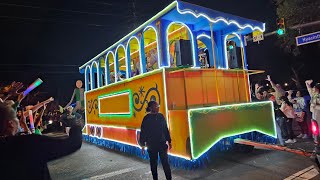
(134, 15)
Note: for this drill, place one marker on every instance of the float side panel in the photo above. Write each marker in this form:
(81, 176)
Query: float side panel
(209, 125)
(143, 89)
(176, 92)
(179, 132)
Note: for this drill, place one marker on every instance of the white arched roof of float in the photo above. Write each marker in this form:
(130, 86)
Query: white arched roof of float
(196, 11)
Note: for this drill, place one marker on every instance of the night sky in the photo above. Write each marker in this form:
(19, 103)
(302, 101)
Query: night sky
(51, 39)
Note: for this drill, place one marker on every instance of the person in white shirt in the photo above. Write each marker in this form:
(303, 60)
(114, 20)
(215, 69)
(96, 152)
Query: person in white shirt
(299, 106)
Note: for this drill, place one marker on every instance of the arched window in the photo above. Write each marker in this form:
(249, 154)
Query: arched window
(111, 70)
(181, 48)
(120, 64)
(87, 77)
(133, 48)
(205, 56)
(150, 39)
(94, 75)
(233, 51)
(102, 70)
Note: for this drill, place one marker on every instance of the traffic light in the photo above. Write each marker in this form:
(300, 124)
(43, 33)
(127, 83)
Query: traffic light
(280, 27)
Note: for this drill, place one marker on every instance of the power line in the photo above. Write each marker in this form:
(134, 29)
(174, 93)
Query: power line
(62, 10)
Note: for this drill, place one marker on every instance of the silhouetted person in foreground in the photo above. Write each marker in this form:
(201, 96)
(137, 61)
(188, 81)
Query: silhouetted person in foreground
(155, 135)
(26, 156)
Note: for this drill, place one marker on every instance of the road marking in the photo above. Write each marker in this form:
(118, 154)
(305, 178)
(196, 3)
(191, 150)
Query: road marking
(114, 173)
(307, 173)
(215, 170)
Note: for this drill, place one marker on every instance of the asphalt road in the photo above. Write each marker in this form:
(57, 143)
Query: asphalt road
(94, 162)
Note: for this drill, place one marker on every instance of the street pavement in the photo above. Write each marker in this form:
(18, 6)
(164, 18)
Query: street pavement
(94, 162)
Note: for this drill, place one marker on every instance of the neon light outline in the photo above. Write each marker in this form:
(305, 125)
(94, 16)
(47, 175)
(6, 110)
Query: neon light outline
(192, 43)
(155, 17)
(124, 114)
(85, 77)
(217, 19)
(144, 75)
(105, 69)
(85, 112)
(111, 96)
(135, 145)
(130, 79)
(116, 61)
(157, 39)
(127, 57)
(99, 69)
(185, 11)
(229, 135)
(225, 48)
(92, 73)
(111, 126)
(203, 35)
(165, 95)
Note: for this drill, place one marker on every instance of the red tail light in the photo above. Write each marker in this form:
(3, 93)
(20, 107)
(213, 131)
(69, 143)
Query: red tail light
(314, 128)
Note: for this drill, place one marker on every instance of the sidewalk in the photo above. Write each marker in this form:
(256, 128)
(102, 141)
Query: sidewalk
(305, 144)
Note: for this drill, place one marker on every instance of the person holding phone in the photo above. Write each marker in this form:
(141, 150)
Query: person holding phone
(156, 137)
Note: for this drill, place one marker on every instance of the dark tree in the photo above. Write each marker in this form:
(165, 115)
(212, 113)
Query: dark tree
(296, 13)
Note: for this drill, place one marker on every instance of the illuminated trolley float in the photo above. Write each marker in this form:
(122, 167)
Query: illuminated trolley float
(192, 61)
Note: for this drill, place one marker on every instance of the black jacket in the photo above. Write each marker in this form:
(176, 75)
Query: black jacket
(154, 131)
(26, 156)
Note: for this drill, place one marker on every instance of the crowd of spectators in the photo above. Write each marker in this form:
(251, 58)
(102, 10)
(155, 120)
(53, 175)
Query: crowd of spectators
(291, 106)
(24, 152)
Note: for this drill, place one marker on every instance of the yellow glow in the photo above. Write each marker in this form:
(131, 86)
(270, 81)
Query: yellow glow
(149, 36)
(201, 45)
(177, 31)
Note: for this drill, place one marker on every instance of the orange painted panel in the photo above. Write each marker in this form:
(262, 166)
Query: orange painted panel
(194, 88)
(210, 87)
(176, 90)
(221, 87)
(123, 135)
(179, 132)
(204, 86)
(244, 87)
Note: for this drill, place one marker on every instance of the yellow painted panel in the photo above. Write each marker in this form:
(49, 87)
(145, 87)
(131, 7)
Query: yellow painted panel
(111, 105)
(143, 89)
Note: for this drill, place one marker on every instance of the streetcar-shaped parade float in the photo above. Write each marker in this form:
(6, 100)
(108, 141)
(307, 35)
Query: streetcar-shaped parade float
(192, 61)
